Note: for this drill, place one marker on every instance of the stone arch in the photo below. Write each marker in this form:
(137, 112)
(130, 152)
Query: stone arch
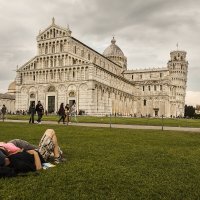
(51, 88)
(23, 90)
(72, 87)
(32, 89)
(84, 86)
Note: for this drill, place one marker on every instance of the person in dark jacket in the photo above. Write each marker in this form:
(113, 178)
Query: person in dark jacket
(26, 157)
(61, 113)
(40, 111)
(3, 110)
(22, 161)
(32, 112)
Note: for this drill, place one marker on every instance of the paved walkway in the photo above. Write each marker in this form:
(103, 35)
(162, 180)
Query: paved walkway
(187, 129)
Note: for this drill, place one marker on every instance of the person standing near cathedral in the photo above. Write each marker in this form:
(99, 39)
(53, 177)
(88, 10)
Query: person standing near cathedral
(61, 113)
(32, 112)
(67, 113)
(73, 111)
(40, 111)
(3, 110)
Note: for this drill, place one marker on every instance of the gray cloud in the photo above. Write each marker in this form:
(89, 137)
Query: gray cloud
(146, 31)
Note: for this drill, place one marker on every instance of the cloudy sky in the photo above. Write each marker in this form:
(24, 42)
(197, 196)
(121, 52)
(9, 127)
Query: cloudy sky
(146, 31)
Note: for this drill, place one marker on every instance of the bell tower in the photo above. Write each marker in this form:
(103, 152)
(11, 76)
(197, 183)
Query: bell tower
(178, 69)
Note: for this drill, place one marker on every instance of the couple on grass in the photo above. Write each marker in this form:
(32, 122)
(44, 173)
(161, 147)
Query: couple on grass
(20, 156)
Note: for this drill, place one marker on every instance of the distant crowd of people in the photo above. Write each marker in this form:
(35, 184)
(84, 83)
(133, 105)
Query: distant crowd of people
(65, 112)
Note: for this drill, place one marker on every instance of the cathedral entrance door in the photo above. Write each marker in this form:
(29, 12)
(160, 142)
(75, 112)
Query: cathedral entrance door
(71, 102)
(32, 102)
(51, 104)
(156, 111)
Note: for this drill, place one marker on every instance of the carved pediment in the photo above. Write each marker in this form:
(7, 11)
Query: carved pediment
(53, 31)
(30, 65)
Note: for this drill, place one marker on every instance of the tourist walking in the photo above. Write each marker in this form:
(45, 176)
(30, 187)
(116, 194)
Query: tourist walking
(67, 113)
(3, 111)
(32, 112)
(40, 111)
(61, 113)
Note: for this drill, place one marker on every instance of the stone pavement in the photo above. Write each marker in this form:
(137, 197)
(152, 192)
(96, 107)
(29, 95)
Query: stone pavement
(169, 128)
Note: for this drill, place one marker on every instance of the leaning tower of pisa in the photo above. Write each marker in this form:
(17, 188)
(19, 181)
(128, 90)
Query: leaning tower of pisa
(178, 68)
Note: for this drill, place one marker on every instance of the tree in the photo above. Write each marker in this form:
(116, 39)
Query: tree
(189, 111)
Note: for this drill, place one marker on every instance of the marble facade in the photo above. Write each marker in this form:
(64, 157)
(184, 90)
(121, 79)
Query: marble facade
(65, 71)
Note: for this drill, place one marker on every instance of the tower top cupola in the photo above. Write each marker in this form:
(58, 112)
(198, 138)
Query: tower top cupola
(178, 55)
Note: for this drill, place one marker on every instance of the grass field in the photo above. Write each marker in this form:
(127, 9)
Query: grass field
(175, 122)
(109, 164)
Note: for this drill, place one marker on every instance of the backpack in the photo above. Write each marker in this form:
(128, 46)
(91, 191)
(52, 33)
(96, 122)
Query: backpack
(7, 172)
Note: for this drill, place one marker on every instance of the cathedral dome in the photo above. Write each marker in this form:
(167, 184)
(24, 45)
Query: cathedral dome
(12, 87)
(114, 53)
(113, 50)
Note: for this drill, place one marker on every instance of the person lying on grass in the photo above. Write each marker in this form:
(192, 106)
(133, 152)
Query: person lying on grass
(48, 146)
(21, 161)
(20, 154)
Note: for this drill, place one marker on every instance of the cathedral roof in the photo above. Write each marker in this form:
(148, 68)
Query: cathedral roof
(7, 96)
(113, 50)
(146, 70)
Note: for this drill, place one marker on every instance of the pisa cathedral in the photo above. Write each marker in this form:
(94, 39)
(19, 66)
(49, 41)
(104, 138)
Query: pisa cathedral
(65, 70)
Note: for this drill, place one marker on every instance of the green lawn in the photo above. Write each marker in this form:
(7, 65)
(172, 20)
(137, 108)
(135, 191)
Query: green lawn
(109, 164)
(175, 122)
